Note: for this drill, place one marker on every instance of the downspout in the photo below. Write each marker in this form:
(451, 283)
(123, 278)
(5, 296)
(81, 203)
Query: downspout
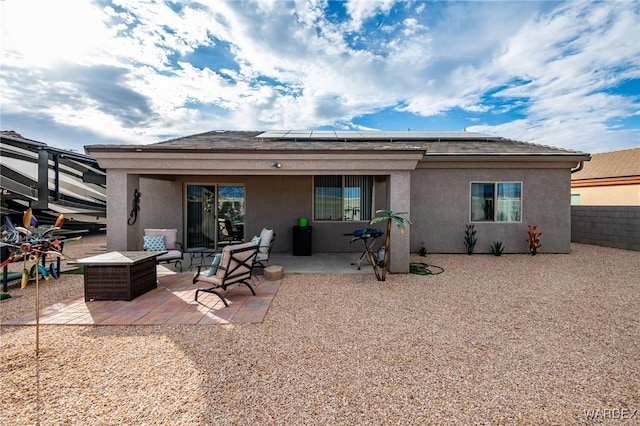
(577, 169)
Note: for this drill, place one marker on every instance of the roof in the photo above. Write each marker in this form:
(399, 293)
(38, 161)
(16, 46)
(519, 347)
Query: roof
(259, 141)
(494, 147)
(438, 145)
(378, 135)
(613, 164)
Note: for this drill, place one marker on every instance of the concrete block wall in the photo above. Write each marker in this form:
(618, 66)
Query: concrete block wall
(610, 226)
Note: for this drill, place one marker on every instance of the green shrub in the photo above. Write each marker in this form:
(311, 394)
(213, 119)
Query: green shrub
(497, 248)
(470, 238)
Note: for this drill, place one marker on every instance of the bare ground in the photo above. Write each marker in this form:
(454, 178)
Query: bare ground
(514, 339)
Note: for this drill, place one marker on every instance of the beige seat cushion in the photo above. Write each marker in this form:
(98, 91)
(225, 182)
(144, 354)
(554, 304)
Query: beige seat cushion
(170, 236)
(170, 255)
(227, 263)
(265, 240)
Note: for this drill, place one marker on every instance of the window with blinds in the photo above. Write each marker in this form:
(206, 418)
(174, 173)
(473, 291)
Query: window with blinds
(496, 202)
(342, 198)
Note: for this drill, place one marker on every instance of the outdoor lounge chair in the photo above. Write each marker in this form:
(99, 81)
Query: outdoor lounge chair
(267, 238)
(235, 267)
(164, 240)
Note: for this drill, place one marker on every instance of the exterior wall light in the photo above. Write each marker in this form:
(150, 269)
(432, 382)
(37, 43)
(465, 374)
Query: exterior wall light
(276, 164)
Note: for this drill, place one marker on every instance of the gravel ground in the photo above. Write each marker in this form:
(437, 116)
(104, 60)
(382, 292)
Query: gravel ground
(514, 339)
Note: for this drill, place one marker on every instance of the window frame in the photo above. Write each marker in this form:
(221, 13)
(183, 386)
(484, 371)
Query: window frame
(343, 178)
(495, 200)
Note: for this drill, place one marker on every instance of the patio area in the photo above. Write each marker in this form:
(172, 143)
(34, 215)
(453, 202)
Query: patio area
(171, 303)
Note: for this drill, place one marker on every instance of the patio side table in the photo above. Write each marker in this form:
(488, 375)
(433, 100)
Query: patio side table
(198, 255)
(119, 275)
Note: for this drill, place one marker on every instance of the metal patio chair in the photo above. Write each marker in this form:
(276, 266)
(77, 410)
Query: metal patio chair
(235, 267)
(164, 240)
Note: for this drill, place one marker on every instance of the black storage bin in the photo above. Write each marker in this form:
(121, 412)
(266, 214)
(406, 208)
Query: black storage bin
(302, 240)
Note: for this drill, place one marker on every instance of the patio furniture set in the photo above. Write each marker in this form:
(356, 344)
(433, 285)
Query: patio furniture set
(129, 274)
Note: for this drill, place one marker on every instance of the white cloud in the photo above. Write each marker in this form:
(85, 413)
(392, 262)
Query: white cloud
(43, 33)
(290, 64)
(569, 59)
(361, 10)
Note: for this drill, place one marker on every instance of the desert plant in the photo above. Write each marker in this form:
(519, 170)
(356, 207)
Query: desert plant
(470, 237)
(497, 248)
(422, 251)
(391, 218)
(533, 240)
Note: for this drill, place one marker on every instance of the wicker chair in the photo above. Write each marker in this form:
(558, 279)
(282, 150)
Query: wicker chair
(174, 250)
(235, 267)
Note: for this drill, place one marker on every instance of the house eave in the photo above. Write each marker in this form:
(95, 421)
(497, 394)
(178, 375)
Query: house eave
(507, 157)
(93, 149)
(613, 181)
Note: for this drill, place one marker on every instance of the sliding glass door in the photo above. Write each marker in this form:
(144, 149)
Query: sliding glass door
(214, 215)
(230, 214)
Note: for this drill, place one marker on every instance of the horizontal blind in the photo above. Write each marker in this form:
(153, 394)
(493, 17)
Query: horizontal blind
(327, 197)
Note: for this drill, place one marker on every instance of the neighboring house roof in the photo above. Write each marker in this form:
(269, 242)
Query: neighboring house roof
(615, 164)
(438, 145)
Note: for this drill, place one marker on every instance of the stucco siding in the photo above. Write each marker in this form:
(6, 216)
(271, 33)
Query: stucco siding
(440, 201)
(160, 206)
(278, 201)
(274, 202)
(613, 195)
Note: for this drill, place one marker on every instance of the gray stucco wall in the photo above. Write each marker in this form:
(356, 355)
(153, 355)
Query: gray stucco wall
(274, 202)
(440, 207)
(439, 200)
(610, 226)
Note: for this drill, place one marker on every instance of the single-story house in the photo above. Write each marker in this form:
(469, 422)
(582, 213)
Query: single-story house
(338, 179)
(609, 179)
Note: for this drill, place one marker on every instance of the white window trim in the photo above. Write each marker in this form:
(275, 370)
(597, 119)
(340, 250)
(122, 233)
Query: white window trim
(495, 191)
(343, 177)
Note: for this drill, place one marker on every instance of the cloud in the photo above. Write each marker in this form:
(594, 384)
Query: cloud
(142, 71)
(566, 72)
(362, 10)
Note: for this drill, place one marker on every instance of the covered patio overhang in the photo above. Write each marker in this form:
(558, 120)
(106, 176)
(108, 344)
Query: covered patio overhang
(126, 165)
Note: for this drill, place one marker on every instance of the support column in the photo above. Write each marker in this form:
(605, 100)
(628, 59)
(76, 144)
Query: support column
(120, 189)
(399, 202)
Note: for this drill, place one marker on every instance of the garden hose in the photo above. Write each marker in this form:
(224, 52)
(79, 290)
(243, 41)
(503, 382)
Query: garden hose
(420, 268)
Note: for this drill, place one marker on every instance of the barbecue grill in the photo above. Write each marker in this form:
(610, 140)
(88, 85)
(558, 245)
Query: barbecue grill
(365, 234)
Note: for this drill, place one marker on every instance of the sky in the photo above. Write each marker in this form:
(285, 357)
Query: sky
(565, 74)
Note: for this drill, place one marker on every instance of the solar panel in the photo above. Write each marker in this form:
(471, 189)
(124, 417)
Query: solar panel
(378, 135)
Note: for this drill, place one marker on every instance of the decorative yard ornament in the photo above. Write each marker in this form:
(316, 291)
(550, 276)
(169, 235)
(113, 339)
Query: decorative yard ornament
(33, 245)
(133, 216)
(391, 218)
